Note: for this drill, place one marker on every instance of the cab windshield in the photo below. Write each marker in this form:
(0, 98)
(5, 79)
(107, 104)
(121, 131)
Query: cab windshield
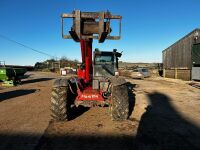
(103, 59)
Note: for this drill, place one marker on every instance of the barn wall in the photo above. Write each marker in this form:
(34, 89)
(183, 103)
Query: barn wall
(178, 55)
(183, 74)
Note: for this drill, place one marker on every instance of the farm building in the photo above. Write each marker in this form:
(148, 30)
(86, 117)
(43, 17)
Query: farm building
(182, 59)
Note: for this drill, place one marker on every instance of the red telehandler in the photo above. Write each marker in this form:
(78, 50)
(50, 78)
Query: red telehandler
(97, 82)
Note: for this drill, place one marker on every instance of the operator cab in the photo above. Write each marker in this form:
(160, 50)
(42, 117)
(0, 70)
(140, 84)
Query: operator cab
(105, 63)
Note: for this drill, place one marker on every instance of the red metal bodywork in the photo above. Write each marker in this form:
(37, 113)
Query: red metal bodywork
(86, 27)
(86, 51)
(85, 73)
(90, 94)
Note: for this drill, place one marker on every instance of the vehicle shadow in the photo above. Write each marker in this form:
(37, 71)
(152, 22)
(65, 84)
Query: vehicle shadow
(162, 127)
(131, 96)
(18, 141)
(36, 80)
(77, 111)
(85, 142)
(15, 93)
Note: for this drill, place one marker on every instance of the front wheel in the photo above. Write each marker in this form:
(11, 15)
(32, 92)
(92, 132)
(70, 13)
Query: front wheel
(119, 106)
(61, 100)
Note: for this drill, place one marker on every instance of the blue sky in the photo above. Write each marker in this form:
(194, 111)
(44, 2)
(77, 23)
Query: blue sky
(148, 27)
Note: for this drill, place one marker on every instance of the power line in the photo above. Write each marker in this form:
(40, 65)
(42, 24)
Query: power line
(28, 47)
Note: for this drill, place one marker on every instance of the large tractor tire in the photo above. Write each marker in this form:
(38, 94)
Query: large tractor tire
(119, 106)
(61, 100)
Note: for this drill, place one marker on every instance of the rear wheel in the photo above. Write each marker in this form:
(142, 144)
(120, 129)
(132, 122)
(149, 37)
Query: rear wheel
(14, 80)
(61, 102)
(119, 106)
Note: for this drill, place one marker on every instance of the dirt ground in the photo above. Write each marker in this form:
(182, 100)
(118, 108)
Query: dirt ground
(24, 111)
(164, 114)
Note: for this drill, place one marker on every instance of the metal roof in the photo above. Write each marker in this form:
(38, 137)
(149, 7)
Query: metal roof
(195, 30)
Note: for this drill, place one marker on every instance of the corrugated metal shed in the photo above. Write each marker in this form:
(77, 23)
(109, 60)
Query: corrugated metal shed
(179, 55)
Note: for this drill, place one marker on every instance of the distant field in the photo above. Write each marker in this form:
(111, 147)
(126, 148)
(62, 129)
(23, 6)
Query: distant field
(146, 65)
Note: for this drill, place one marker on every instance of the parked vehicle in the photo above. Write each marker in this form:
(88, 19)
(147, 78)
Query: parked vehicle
(11, 76)
(144, 71)
(140, 73)
(136, 74)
